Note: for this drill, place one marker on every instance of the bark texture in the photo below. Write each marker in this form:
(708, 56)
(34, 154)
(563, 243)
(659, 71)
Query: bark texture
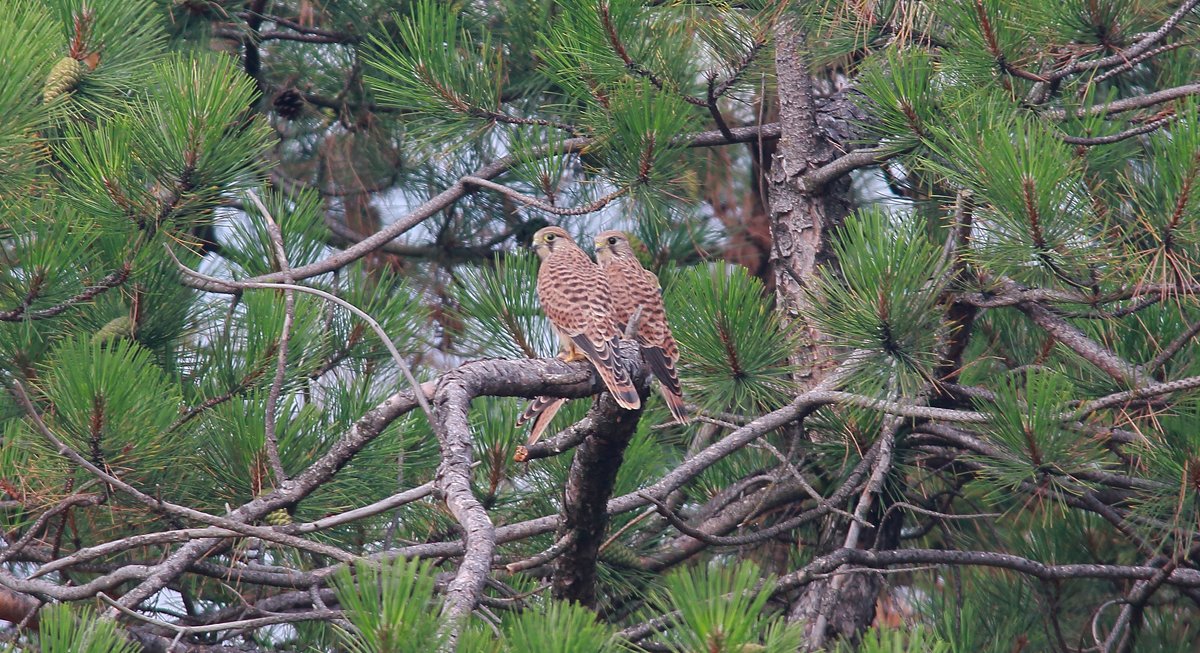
(802, 216)
(585, 499)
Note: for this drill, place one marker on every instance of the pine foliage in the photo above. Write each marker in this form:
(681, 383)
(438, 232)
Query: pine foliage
(973, 375)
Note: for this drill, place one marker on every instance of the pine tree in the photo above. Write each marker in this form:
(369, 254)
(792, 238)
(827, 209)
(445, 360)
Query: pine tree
(267, 321)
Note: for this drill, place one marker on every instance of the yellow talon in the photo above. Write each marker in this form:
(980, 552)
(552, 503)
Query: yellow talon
(572, 356)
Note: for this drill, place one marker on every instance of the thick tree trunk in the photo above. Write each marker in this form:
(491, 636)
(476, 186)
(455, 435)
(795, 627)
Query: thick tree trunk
(801, 218)
(801, 221)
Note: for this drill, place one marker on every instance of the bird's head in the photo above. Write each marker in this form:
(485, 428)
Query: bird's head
(549, 239)
(613, 244)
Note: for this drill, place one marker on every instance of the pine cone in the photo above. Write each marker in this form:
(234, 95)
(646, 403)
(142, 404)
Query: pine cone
(619, 555)
(63, 78)
(117, 328)
(279, 517)
(288, 103)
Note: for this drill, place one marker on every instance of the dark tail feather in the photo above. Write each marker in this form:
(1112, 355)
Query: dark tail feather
(609, 367)
(542, 418)
(535, 408)
(663, 368)
(675, 405)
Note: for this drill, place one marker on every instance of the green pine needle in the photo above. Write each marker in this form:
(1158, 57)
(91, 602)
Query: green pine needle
(734, 350)
(391, 605)
(500, 312)
(885, 301)
(64, 630)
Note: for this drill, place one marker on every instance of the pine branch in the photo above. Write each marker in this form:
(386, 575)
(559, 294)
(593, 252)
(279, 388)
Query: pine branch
(1014, 296)
(1149, 54)
(456, 191)
(1077, 341)
(534, 202)
(34, 529)
(332, 35)
(710, 531)
(563, 441)
(1153, 125)
(1174, 347)
(1135, 50)
(110, 281)
(257, 622)
(1124, 631)
(1189, 578)
(1129, 103)
(814, 181)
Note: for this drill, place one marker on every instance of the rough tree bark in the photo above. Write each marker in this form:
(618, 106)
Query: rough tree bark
(802, 217)
(585, 499)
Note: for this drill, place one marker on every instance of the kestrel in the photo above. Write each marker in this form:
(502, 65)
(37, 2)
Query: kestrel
(574, 293)
(635, 288)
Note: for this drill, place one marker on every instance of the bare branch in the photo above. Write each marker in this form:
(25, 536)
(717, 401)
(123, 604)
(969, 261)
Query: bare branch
(884, 559)
(1130, 103)
(1077, 341)
(456, 191)
(534, 202)
(285, 337)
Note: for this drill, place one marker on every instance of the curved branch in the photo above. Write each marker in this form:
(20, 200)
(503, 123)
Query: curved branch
(456, 191)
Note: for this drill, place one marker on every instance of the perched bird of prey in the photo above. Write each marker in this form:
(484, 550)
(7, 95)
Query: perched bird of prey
(635, 289)
(574, 293)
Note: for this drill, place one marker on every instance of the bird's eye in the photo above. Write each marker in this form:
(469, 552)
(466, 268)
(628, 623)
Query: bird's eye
(550, 237)
(612, 240)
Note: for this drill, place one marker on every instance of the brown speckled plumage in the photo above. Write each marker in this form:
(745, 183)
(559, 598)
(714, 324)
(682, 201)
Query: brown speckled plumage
(574, 294)
(631, 287)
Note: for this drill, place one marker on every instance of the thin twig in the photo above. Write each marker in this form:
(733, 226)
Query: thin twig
(285, 336)
(543, 557)
(536, 203)
(314, 615)
(418, 394)
(1173, 347)
(1119, 136)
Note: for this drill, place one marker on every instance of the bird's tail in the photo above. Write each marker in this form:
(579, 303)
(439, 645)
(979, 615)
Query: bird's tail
(607, 363)
(675, 405)
(541, 411)
(663, 368)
